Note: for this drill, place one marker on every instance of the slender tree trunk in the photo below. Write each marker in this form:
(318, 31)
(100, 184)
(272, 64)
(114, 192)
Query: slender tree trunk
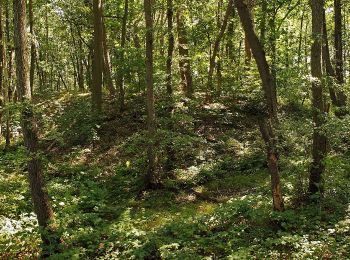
(328, 63)
(152, 178)
(169, 64)
(122, 58)
(40, 198)
(107, 66)
(216, 48)
(319, 139)
(338, 42)
(170, 151)
(184, 62)
(97, 62)
(32, 46)
(265, 122)
(247, 48)
(2, 70)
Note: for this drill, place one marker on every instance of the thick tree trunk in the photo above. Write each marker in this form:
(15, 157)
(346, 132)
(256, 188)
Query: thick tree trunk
(120, 79)
(40, 198)
(319, 139)
(152, 178)
(97, 63)
(216, 47)
(184, 62)
(265, 123)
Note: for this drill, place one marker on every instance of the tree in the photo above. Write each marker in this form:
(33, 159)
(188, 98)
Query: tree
(97, 62)
(184, 59)
(217, 43)
(265, 124)
(152, 179)
(122, 58)
(169, 64)
(319, 148)
(40, 198)
(338, 44)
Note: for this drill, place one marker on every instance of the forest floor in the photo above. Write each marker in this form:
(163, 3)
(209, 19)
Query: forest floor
(214, 204)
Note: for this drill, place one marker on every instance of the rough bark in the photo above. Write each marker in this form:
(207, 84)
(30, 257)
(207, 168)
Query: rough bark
(265, 122)
(319, 139)
(40, 198)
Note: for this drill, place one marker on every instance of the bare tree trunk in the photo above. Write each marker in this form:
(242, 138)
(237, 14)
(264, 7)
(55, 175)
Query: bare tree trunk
(97, 63)
(120, 79)
(107, 66)
(265, 122)
(338, 42)
(40, 198)
(328, 63)
(169, 64)
(2, 70)
(152, 178)
(185, 62)
(216, 48)
(32, 46)
(319, 148)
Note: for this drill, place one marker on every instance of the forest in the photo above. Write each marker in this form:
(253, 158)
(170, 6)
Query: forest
(174, 129)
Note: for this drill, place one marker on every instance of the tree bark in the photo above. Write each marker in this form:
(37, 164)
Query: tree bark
(184, 62)
(319, 139)
(107, 66)
(216, 48)
(338, 44)
(97, 63)
(32, 47)
(169, 63)
(152, 178)
(40, 198)
(265, 122)
(120, 79)
(326, 58)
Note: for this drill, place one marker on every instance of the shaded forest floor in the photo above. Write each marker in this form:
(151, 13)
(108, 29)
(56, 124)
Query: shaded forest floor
(214, 204)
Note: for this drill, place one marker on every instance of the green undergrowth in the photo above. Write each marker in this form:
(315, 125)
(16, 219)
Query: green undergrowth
(214, 204)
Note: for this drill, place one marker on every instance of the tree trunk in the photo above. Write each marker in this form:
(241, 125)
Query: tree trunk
(169, 63)
(184, 62)
(2, 70)
(319, 139)
(97, 62)
(107, 66)
(40, 198)
(265, 122)
(32, 46)
(216, 48)
(152, 178)
(328, 63)
(122, 58)
(338, 44)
